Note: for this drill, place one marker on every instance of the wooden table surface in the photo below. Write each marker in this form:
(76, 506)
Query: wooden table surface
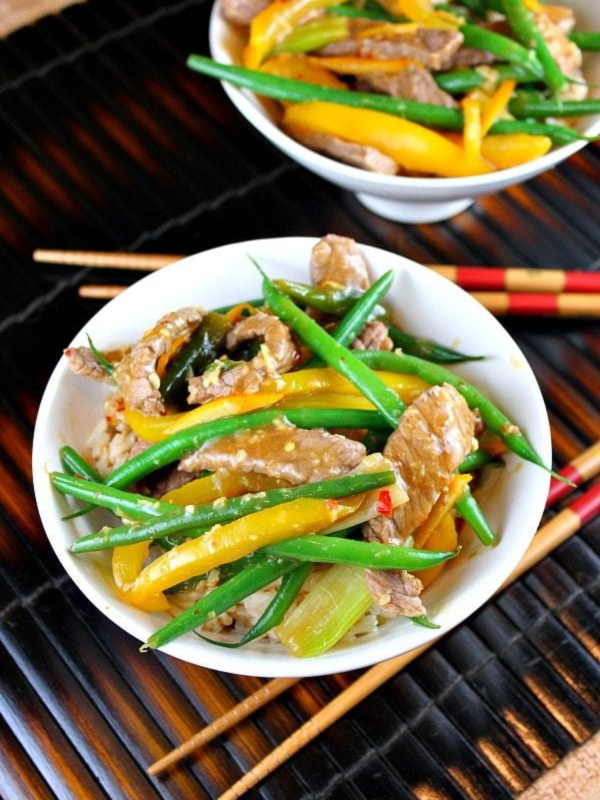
(109, 143)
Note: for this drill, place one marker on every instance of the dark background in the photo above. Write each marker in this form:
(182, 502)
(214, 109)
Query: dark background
(109, 143)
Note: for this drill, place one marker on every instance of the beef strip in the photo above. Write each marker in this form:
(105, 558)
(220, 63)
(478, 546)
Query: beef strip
(82, 361)
(275, 357)
(136, 372)
(471, 57)
(565, 52)
(374, 336)
(242, 12)
(433, 437)
(338, 259)
(357, 155)
(412, 83)
(396, 592)
(280, 451)
(431, 47)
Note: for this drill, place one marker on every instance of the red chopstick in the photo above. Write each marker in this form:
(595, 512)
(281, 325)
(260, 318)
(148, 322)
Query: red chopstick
(579, 470)
(519, 279)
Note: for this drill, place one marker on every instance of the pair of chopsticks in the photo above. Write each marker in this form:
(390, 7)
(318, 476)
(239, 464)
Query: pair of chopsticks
(502, 290)
(550, 535)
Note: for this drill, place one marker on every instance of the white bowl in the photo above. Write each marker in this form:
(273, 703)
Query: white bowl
(402, 199)
(425, 303)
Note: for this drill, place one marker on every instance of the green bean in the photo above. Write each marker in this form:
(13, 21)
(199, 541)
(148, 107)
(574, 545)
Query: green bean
(385, 400)
(479, 459)
(560, 134)
(355, 319)
(209, 514)
(461, 80)
(527, 104)
(314, 34)
(291, 584)
(75, 464)
(523, 25)
(259, 574)
(123, 504)
(187, 441)
(586, 40)
(472, 514)
(502, 47)
(298, 91)
(336, 301)
(289, 90)
(424, 348)
(370, 555)
(200, 351)
(493, 417)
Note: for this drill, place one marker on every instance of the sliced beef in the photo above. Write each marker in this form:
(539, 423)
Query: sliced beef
(374, 336)
(412, 83)
(136, 372)
(280, 451)
(82, 361)
(276, 356)
(396, 593)
(471, 57)
(566, 54)
(431, 47)
(433, 437)
(242, 12)
(357, 155)
(338, 259)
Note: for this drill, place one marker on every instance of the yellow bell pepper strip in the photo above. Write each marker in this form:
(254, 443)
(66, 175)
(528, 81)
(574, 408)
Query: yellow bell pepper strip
(423, 12)
(127, 563)
(412, 146)
(472, 128)
(386, 29)
(333, 605)
(155, 429)
(444, 504)
(325, 379)
(300, 68)
(271, 26)
(511, 149)
(235, 313)
(220, 484)
(226, 543)
(326, 400)
(443, 536)
(354, 65)
(496, 105)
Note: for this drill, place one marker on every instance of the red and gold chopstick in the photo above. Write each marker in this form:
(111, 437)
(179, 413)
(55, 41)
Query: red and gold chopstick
(582, 468)
(538, 304)
(518, 279)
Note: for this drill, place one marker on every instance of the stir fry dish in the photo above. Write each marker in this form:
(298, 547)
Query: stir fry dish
(295, 467)
(413, 87)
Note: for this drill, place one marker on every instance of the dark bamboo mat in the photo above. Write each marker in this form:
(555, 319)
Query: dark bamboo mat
(109, 143)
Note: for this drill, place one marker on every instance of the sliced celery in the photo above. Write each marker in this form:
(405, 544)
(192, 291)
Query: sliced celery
(332, 606)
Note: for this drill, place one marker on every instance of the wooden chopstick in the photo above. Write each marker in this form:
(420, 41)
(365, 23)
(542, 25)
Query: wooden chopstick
(549, 537)
(269, 691)
(582, 468)
(472, 278)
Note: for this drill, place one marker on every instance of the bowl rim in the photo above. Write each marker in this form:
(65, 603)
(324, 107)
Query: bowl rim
(46, 442)
(248, 104)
